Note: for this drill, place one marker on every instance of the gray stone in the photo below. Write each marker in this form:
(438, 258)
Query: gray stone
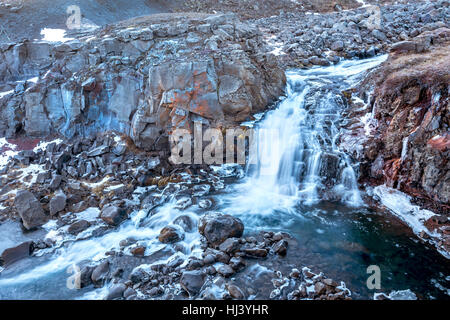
(113, 215)
(192, 281)
(11, 255)
(79, 226)
(116, 292)
(216, 227)
(379, 35)
(129, 292)
(280, 247)
(236, 292)
(225, 271)
(337, 45)
(170, 235)
(29, 209)
(57, 203)
(185, 222)
(230, 245)
(100, 273)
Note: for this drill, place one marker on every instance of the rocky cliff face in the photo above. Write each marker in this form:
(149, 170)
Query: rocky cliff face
(142, 77)
(404, 142)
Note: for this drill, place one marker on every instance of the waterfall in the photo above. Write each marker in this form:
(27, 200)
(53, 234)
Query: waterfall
(297, 160)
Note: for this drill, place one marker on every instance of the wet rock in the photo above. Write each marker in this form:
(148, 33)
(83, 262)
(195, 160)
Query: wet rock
(225, 271)
(138, 276)
(116, 292)
(98, 151)
(255, 252)
(138, 251)
(319, 61)
(192, 281)
(79, 207)
(216, 227)
(194, 264)
(330, 282)
(337, 45)
(399, 153)
(209, 259)
(42, 177)
(237, 263)
(78, 226)
(329, 167)
(170, 235)
(100, 273)
(320, 288)
(57, 203)
(85, 275)
(235, 292)
(280, 247)
(175, 262)
(113, 215)
(218, 255)
(230, 245)
(29, 209)
(11, 255)
(211, 270)
(295, 274)
(156, 291)
(129, 292)
(185, 222)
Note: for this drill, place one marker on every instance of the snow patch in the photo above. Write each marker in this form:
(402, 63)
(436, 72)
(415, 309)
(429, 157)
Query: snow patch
(54, 35)
(5, 93)
(43, 144)
(400, 205)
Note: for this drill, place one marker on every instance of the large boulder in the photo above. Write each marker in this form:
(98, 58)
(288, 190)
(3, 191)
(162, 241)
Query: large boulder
(29, 209)
(217, 227)
(113, 215)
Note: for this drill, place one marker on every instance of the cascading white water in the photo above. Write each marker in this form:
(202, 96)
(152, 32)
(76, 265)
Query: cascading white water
(296, 142)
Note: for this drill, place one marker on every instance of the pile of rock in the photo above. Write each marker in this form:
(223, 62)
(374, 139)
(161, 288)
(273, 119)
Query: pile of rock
(71, 177)
(304, 39)
(254, 9)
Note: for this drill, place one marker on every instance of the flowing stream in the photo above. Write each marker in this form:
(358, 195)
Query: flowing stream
(298, 182)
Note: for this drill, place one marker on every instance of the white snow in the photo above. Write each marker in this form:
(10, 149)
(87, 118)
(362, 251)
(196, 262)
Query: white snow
(34, 80)
(33, 170)
(54, 35)
(94, 185)
(400, 205)
(400, 295)
(5, 93)
(4, 156)
(112, 188)
(43, 144)
(90, 214)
